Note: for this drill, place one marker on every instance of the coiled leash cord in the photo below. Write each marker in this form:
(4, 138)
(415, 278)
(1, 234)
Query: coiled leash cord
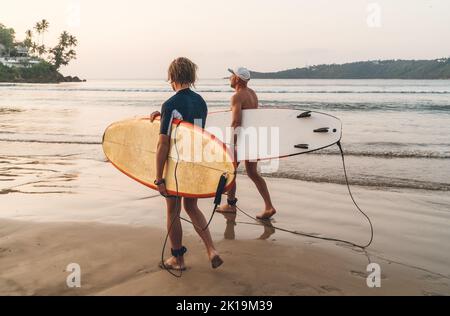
(217, 201)
(319, 237)
(177, 201)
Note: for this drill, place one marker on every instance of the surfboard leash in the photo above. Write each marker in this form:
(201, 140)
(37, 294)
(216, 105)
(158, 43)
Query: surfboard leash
(217, 202)
(177, 201)
(218, 198)
(261, 222)
(353, 200)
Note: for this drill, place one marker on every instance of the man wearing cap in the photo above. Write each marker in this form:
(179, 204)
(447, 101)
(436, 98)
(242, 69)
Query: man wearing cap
(245, 98)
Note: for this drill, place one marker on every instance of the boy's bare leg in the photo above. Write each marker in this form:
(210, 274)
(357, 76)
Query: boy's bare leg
(175, 231)
(199, 221)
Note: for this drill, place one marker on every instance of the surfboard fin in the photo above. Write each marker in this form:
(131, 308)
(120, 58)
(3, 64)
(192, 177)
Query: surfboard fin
(304, 114)
(302, 146)
(322, 130)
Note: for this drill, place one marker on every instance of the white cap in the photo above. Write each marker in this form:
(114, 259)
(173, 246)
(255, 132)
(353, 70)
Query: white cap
(241, 72)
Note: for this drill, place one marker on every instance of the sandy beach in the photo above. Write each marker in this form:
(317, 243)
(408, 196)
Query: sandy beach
(354, 97)
(112, 227)
(62, 203)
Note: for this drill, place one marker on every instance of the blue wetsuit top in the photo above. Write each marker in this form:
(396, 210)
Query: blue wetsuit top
(186, 105)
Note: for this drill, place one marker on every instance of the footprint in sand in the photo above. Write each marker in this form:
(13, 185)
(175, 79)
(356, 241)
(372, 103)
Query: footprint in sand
(246, 288)
(147, 270)
(331, 289)
(364, 275)
(430, 277)
(12, 288)
(299, 286)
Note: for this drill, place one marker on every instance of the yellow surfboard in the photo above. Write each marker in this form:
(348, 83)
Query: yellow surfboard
(196, 160)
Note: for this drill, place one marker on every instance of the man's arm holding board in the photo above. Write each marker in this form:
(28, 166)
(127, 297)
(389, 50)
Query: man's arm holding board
(236, 119)
(236, 111)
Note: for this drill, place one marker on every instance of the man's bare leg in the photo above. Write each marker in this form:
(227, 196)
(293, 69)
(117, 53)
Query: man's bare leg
(199, 221)
(175, 231)
(252, 172)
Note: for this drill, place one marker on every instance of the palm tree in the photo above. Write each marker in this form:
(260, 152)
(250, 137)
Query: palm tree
(64, 39)
(63, 53)
(34, 48)
(45, 25)
(72, 41)
(38, 28)
(41, 50)
(28, 42)
(42, 27)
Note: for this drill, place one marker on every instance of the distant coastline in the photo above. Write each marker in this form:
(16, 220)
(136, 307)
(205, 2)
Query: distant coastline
(41, 72)
(376, 69)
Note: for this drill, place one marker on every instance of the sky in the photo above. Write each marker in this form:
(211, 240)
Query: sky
(137, 39)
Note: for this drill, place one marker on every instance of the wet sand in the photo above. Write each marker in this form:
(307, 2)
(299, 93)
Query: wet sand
(68, 209)
(121, 260)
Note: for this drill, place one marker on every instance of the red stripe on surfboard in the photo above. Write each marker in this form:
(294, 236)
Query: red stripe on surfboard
(182, 194)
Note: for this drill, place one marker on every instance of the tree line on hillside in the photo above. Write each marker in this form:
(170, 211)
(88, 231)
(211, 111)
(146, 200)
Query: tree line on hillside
(379, 69)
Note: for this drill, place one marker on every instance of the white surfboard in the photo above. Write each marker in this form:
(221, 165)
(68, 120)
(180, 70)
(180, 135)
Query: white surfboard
(276, 133)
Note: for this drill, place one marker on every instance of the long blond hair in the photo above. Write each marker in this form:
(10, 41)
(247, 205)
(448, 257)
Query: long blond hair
(182, 71)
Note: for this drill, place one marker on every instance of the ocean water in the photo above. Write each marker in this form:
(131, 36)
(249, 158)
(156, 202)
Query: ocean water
(396, 133)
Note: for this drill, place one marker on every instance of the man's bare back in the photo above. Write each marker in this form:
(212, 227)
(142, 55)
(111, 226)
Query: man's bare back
(247, 98)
